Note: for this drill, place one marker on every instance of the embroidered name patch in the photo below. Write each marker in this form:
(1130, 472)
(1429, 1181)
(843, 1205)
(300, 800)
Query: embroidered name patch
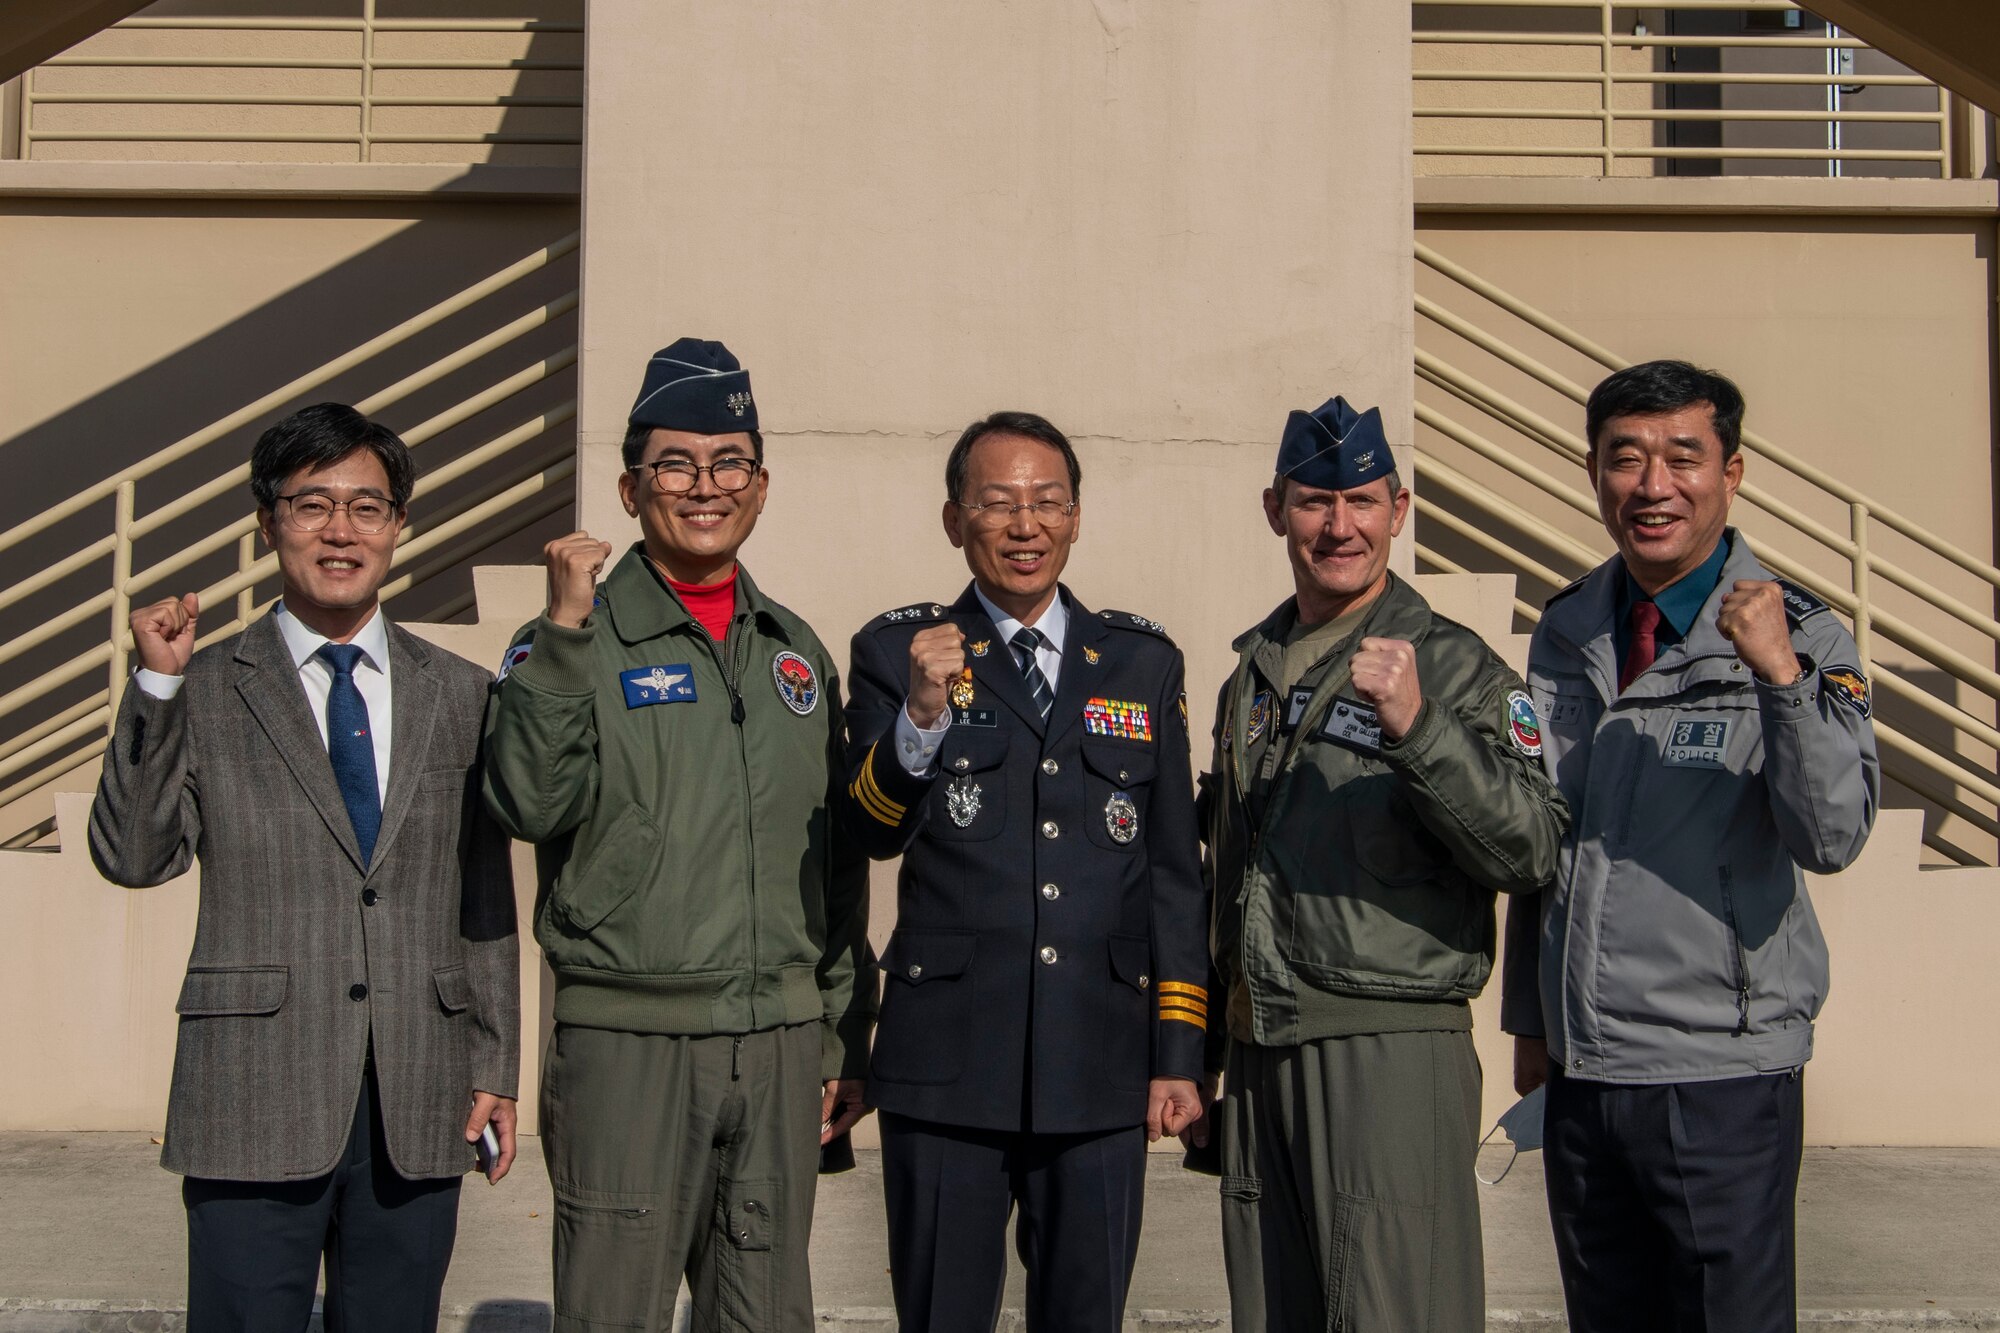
(1118, 717)
(974, 717)
(1352, 723)
(672, 683)
(1697, 743)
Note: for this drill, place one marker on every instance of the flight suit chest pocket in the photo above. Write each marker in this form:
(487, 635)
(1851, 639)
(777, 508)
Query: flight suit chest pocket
(1117, 792)
(969, 801)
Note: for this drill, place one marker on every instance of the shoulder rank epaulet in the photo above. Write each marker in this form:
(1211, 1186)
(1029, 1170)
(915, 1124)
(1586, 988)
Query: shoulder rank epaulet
(1132, 620)
(904, 615)
(1566, 590)
(1800, 605)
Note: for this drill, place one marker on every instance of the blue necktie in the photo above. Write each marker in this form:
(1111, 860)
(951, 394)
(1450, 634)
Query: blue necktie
(351, 747)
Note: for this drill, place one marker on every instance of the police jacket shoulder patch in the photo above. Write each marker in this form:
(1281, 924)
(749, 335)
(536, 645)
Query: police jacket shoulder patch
(1800, 605)
(906, 615)
(1132, 620)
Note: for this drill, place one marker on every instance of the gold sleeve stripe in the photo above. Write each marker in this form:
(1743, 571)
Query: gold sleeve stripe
(1183, 988)
(1180, 1017)
(1199, 1006)
(868, 803)
(1182, 1011)
(873, 790)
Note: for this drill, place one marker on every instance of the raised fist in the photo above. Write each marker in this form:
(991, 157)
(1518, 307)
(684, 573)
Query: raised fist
(1752, 618)
(574, 563)
(163, 634)
(937, 657)
(1385, 677)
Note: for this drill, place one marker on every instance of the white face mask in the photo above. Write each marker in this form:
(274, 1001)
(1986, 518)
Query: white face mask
(1522, 1124)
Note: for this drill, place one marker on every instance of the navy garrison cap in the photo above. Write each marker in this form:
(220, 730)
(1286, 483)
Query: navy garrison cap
(695, 386)
(1335, 448)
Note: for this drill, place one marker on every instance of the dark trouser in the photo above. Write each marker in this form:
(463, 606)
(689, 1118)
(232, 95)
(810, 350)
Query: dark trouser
(1348, 1199)
(254, 1247)
(674, 1156)
(1673, 1203)
(949, 1192)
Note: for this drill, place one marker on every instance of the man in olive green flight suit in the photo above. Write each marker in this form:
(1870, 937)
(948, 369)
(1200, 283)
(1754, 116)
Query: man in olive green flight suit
(1377, 778)
(670, 742)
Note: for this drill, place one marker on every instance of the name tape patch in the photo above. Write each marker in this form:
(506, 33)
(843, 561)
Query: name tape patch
(1352, 723)
(671, 683)
(1697, 743)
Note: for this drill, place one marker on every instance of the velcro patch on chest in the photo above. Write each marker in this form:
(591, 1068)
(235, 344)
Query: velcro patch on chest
(1697, 743)
(671, 683)
(1354, 724)
(1295, 708)
(1121, 718)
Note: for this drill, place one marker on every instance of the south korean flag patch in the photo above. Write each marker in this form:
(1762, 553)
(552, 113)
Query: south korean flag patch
(512, 658)
(1523, 727)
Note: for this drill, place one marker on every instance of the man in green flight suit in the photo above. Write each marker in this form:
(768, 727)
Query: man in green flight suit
(1377, 778)
(670, 742)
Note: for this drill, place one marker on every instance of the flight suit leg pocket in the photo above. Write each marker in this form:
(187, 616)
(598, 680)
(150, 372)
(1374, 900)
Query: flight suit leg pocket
(747, 1260)
(608, 1259)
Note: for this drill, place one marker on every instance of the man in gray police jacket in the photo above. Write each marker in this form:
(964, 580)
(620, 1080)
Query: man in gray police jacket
(1708, 725)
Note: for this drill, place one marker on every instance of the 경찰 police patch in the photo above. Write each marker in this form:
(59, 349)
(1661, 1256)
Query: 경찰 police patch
(672, 683)
(1848, 685)
(512, 658)
(1522, 726)
(797, 685)
(1697, 743)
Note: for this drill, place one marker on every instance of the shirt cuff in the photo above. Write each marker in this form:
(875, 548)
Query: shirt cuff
(157, 684)
(917, 747)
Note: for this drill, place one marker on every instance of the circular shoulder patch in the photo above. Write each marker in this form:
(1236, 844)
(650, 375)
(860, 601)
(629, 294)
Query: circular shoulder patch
(1523, 727)
(797, 685)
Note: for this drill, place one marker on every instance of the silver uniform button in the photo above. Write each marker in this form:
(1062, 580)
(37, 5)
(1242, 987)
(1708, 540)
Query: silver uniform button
(1049, 828)
(1048, 953)
(1123, 776)
(1051, 892)
(1049, 767)
(916, 970)
(1144, 981)
(962, 763)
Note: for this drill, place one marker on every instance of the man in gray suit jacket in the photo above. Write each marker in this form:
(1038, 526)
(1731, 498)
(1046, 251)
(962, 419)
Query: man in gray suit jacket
(350, 1022)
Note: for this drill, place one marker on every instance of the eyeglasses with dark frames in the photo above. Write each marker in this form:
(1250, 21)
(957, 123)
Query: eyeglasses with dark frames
(677, 476)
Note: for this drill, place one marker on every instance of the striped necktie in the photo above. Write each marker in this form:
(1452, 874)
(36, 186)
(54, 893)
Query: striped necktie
(1024, 643)
(350, 746)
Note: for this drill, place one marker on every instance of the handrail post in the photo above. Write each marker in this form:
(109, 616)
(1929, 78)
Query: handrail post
(121, 590)
(367, 107)
(1947, 151)
(1864, 632)
(1607, 88)
(246, 556)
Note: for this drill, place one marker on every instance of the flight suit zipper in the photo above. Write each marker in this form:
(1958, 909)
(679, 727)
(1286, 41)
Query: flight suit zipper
(728, 661)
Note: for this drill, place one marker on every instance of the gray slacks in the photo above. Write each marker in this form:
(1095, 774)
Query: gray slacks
(1348, 1198)
(673, 1156)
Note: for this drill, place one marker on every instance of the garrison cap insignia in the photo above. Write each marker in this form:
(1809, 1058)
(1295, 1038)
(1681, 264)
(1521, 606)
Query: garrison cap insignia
(797, 685)
(512, 658)
(961, 691)
(669, 684)
(1121, 718)
(1523, 728)
(1848, 685)
(1184, 1002)
(1800, 605)
(961, 801)
(983, 647)
(1121, 818)
(1092, 656)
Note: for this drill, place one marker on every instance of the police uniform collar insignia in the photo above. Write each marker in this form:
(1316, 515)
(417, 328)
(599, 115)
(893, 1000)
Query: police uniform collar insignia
(961, 801)
(1091, 655)
(1121, 818)
(981, 648)
(798, 684)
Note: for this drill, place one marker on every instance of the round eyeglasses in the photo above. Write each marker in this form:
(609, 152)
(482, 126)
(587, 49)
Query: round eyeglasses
(365, 513)
(999, 513)
(677, 476)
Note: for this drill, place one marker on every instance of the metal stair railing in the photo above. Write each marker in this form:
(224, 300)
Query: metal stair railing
(1943, 776)
(526, 485)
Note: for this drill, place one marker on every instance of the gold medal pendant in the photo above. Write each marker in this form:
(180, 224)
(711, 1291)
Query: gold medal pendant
(961, 690)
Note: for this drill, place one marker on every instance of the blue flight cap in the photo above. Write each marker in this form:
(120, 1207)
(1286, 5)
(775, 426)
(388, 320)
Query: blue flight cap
(1335, 448)
(697, 386)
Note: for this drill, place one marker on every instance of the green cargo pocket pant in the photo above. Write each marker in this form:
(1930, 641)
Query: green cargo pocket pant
(674, 1156)
(1348, 1198)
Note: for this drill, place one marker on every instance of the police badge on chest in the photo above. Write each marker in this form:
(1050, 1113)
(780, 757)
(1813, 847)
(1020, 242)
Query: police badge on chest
(961, 801)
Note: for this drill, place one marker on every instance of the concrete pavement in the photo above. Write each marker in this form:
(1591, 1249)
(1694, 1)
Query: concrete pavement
(1890, 1239)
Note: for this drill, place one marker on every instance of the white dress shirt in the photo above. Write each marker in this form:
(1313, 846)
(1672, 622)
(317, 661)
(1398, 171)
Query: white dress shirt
(371, 678)
(917, 746)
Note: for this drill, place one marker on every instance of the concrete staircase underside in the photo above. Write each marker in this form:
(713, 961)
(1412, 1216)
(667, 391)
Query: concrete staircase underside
(1955, 42)
(33, 30)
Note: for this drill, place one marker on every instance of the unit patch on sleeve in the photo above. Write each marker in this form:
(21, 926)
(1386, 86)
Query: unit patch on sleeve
(669, 684)
(1260, 718)
(1523, 728)
(513, 657)
(797, 685)
(1848, 685)
(1121, 718)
